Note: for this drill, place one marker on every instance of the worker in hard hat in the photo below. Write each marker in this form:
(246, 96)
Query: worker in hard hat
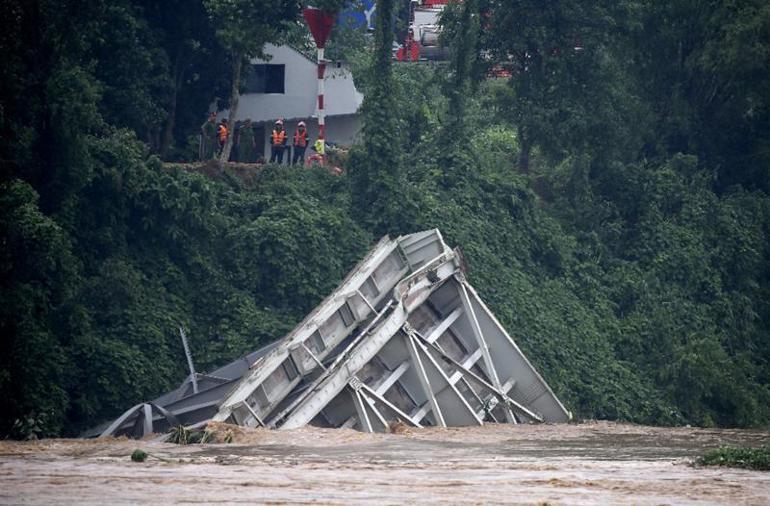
(316, 157)
(300, 144)
(277, 142)
(222, 133)
(320, 147)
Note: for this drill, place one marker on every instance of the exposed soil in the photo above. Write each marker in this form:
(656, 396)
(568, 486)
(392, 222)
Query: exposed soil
(592, 463)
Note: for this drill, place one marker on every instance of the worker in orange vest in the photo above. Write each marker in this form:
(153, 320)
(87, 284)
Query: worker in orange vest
(277, 142)
(300, 144)
(222, 134)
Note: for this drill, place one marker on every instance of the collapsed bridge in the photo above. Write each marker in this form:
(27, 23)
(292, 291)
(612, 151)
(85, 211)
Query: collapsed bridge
(403, 338)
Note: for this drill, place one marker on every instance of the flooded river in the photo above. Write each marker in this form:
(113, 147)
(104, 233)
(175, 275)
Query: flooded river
(594, 463)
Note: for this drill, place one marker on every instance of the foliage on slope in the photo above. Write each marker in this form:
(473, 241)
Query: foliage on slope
(91, 312)
(670, 327)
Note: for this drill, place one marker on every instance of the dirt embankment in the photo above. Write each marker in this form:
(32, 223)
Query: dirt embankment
(595, 463)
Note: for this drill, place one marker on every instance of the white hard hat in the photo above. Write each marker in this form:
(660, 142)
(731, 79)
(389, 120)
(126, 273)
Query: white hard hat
(301, 123)
(279, 122)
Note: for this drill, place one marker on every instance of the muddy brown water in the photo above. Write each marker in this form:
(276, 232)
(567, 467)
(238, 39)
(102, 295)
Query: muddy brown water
(593, 463)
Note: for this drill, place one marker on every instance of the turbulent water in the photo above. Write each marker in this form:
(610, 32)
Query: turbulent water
(597, 463)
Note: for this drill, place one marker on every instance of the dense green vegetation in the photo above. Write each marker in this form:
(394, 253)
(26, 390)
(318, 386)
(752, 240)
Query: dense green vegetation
(611, 201)
(747, 458)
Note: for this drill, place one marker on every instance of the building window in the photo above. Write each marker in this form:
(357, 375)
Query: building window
(265, 79)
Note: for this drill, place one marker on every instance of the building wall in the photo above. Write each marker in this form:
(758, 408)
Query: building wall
(426, 16)
(300, 89)
(299, 99)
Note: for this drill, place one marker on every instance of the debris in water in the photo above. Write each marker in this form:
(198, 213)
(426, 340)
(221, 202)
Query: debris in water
(139, 455)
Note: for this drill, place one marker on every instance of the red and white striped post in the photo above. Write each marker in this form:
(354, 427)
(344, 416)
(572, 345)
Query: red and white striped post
(321, 112)
(320, 23)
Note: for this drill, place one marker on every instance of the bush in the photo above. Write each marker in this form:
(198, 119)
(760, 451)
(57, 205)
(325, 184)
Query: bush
(747, 458)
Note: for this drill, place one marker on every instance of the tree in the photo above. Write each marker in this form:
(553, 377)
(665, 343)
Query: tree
(376, 165)
(702, 69)
(558, 54)
(464, 29)
(196, 66)
(53, 99)
(133, 70)
(243, 28)
(37, 274)
(463, 25)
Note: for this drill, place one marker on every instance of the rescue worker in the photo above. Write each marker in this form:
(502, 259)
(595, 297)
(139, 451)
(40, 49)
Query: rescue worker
(208, 137)
(316, 158)
(300, 144)
(277, 142)
(246, 142)
(222, 134)
(320, 147)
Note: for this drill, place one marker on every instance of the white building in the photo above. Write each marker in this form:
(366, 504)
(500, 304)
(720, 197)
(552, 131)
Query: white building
(286, 87)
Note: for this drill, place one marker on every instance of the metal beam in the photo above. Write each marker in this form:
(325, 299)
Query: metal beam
(420, 412)
(147, 428)
(173, 421)
(551, 408)
(171, 416)
(475, 377)
(363, 416)
(392, 378)
(477, 334)
(467, 363)
(312, 355)
(377, 414)
(391, 406)
(109, 431)
(450, 384)
(187, 353)
(253, 413)
(476, 328)
(423, 377)
(279, 398)
(363, 297)
(444, 325)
